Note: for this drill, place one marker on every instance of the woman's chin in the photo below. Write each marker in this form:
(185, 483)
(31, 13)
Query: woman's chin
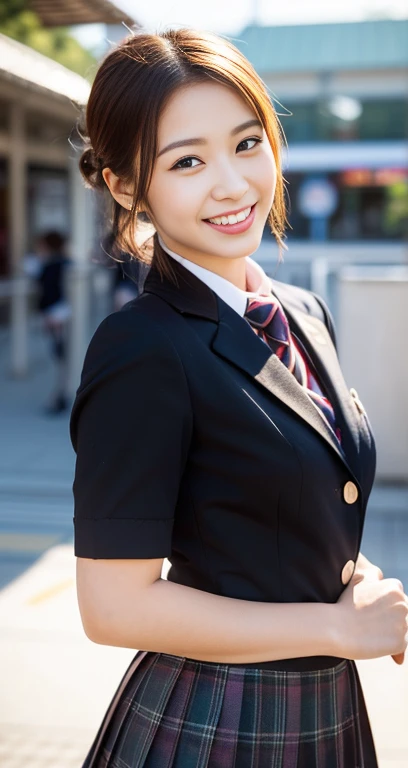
(240, 247)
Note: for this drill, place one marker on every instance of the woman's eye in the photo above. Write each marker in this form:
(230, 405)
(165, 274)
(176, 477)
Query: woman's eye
(186, 162)
(248, 144)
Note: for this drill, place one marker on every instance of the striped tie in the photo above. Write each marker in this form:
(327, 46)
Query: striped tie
(267, 318)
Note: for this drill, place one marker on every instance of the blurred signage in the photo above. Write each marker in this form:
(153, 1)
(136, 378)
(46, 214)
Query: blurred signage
(317, 198)
(381, 177)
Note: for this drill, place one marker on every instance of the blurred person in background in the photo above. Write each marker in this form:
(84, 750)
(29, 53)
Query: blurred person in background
(127, 273)
(50, 274)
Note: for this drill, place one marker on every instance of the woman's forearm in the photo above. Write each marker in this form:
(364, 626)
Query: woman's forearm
(172, 618)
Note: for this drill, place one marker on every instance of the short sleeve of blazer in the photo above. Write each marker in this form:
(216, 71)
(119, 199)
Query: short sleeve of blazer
(130, 428)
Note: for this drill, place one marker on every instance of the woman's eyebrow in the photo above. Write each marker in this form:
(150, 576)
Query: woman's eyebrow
(253, 123)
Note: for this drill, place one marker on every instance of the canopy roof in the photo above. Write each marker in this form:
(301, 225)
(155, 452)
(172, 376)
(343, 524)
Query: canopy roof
(55, 13)
(357, 45)
(20, 63)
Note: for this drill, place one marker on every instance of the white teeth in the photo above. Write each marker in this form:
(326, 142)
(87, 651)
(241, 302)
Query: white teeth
(232, 218)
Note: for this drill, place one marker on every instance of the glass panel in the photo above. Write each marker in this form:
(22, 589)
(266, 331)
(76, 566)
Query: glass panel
(4, 115)
(372, 205)
(48, 204)
(39, 127)
(4, 219)
(345, 119)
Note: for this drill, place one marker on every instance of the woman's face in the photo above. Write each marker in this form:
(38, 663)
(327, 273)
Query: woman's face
(214, 160)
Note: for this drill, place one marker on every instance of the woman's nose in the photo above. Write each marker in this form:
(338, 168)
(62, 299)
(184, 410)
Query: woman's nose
(230, 184)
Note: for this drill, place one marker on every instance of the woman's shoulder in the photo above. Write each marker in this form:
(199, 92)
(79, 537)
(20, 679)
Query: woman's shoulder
(300, 298)
(129, 358)
(125, 339)
(131, 326)
(307, 301)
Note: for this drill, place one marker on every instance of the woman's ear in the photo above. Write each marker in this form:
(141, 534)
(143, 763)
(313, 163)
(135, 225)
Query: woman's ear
(119, 190)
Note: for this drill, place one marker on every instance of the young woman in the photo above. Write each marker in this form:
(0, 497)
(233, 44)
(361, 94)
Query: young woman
(213, 427)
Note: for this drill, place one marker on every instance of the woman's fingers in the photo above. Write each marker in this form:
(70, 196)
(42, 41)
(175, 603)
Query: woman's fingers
(371, 572)
(399, 658)
(367, 570)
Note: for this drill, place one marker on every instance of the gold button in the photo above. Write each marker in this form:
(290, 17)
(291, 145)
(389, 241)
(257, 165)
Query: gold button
(347, 571)
(350, 492)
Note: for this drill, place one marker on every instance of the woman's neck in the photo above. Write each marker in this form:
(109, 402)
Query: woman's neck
(233, 270)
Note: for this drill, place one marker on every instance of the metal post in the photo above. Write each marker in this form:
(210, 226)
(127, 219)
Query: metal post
(18, 229)
(82, 224)
(319, 275)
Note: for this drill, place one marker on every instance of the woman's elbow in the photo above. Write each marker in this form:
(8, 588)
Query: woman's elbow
(92, 608)
(92, 621)
(105, 591)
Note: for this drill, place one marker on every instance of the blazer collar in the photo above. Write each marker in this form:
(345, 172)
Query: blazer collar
(187, 293)
(235, 341)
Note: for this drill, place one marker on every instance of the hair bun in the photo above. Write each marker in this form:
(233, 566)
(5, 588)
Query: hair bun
(91, 169)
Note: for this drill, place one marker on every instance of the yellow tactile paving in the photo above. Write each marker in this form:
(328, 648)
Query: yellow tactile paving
(52, 591)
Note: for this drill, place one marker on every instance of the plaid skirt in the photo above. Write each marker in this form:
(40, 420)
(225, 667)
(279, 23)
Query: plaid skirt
(173, 712)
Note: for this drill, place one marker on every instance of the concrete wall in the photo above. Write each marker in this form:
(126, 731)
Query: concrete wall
(372, 323)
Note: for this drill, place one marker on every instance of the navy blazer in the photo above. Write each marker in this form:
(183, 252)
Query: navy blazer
(194, 442)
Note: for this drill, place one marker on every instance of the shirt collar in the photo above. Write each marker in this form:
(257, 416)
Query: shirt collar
(257, 281)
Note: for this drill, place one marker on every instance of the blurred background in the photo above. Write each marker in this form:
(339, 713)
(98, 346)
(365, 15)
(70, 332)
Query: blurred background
(338, 76)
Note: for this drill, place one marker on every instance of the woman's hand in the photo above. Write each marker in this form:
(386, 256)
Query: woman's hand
(367, 570)
(373, 615)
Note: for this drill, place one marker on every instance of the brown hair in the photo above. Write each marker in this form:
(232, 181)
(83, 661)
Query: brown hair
(130, 90)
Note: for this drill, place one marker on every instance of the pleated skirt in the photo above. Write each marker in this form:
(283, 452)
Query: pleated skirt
(174, 712)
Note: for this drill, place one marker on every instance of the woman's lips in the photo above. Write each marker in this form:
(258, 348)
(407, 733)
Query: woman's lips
(234, 229)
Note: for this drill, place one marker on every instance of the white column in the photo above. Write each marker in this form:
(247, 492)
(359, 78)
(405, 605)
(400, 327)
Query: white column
(319, 275)
(82, 226)
(18, 229)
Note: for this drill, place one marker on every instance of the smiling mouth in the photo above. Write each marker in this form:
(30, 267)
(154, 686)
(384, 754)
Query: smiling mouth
(231, 218)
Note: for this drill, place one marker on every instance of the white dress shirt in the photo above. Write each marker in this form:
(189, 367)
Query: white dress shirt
(257, 280)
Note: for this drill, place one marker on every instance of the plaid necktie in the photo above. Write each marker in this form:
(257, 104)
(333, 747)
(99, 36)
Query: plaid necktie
(267, 318)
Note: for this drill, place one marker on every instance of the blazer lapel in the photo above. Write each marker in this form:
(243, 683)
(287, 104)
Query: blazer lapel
(318, 344)
(235, 341)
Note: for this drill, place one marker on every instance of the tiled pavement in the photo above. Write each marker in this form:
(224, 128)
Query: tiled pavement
(41, 747)
(56, 684)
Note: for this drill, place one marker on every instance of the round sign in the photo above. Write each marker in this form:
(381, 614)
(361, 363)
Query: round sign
(317, 198)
